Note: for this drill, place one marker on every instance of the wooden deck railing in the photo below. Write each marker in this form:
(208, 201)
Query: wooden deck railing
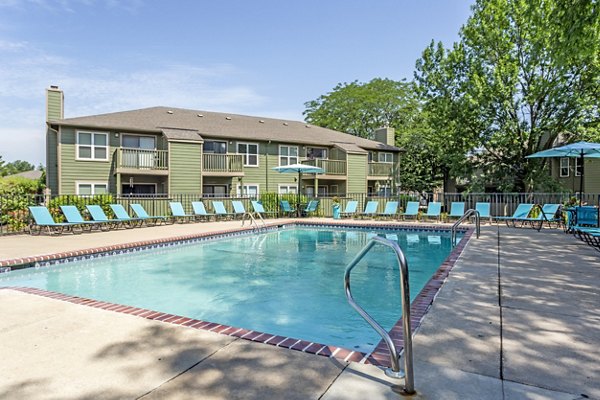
(380, 169)
(331, 167)
(222, 162)
(143, 159)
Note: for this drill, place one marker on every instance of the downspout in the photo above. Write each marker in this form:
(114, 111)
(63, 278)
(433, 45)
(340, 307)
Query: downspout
(267, 166)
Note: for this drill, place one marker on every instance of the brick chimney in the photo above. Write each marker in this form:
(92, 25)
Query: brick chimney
(385, 135)
(55, 103)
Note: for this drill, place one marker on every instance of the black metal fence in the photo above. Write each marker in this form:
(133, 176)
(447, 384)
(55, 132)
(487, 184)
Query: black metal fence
(14, 214)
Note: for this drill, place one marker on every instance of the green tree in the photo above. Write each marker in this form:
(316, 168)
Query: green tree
(524, 72)
(360, 108)
(17, 166)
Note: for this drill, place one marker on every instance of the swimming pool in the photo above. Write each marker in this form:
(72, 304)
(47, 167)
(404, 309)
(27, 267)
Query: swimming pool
(286, 282)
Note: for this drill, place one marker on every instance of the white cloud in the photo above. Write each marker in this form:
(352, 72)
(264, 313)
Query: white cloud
(28, 72)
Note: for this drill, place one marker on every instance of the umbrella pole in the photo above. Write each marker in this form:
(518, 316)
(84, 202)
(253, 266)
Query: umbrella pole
(580, 179)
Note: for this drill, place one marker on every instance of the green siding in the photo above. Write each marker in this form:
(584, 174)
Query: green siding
(54, 104)
(592, 176)
(357, 173)
(73, 170)
(51, 161)
(185, 167)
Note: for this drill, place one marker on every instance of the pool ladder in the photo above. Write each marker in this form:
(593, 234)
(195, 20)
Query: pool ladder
(394, 371)
(254, 223)
(463, 218)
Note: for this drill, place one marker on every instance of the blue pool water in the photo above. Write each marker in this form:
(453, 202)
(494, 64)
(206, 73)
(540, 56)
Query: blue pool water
(287, 282)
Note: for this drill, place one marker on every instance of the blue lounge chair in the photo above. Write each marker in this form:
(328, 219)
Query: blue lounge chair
(521, 215)
(73, 216)
(98, 214)
(122, 215)
(412, 210)
(238, 209)
(220, 210)
(311, 207)
(484, 211)
(552, 213)
(390, 211)
(43, 219)
(260, 209)
(457, 210)
(200, 210)
(370, 209)
(141, 213)
(179, 213)
(286, 209)
(350, 209)
(434, 210)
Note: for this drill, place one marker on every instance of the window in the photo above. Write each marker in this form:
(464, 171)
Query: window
(288, 155)
(250, 190)
(92, 146)
(214, 190)
(578, 166)
(386, 157)
(310, 191)
(215, 147)
(91, 188)
(138, 189)
(138, 142)
(316, 152)
(250, 153)
(333, 190)
(564, 167)
(288, 189)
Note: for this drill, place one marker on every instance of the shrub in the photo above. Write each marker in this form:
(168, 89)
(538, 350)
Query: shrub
(16, 194)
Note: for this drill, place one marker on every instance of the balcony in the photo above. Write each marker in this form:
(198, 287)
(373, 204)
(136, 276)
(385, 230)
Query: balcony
(379, 169)
(331, 167)
(222, 164)
(141, 161)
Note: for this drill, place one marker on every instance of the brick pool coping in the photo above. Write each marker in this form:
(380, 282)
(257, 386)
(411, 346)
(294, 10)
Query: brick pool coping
(379, 356)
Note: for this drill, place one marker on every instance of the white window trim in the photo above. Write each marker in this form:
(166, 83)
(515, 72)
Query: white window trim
(239, 187)
(92, 184)
(137, 134)
(279, 186)
(237, 149)
(91, 145)
(560, 167)
(385, 162)
(297, 156)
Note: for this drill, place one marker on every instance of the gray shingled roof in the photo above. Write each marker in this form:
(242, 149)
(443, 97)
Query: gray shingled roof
(221, 125)
(191, 135)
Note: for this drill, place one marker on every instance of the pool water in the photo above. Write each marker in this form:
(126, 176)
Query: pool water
(287, 282)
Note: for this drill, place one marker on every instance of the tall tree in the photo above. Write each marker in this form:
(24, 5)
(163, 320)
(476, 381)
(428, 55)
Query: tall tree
(524, 72)
(360, 108)
(15, 167)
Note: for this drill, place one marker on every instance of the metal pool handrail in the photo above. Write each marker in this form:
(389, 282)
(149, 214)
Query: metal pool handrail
(253, 221)
(463, 218)
(394, 372)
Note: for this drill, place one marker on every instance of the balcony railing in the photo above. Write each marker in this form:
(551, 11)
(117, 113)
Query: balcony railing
(225, 163)
(331, 167)
(143, 159)
(380, 169)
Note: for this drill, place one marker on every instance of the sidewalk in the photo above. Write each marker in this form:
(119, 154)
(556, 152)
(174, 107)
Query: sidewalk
(518, 321)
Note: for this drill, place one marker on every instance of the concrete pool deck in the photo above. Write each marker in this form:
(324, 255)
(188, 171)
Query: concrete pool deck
(518, 318)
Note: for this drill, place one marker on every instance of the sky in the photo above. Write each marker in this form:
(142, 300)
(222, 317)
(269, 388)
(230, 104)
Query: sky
(263, 57)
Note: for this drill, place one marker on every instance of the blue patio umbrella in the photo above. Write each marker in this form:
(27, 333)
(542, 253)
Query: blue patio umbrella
(299, 169)
(579, 150)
